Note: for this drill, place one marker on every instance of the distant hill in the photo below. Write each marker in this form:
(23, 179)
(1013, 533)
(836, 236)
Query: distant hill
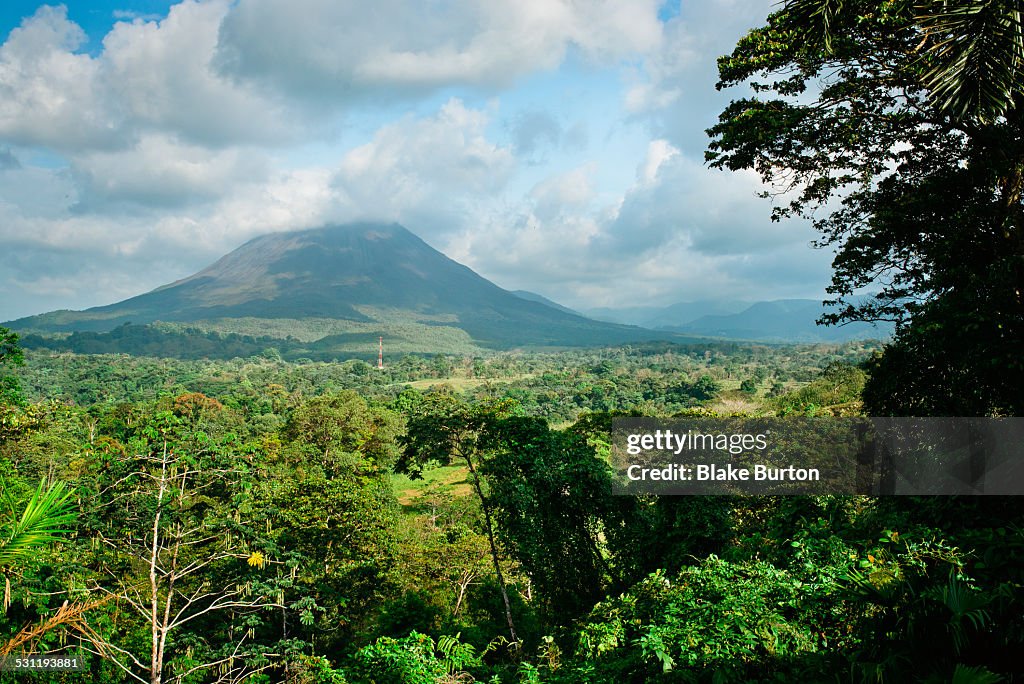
(662, 317)
(534, 297)
(682, 313)
(633, 315)
(355, 279)
(783, 320)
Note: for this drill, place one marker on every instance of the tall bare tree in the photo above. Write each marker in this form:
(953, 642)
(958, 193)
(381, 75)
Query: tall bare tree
(194, 571)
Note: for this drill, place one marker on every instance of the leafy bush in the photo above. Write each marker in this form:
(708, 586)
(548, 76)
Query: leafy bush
(414, 659)
(718, 621)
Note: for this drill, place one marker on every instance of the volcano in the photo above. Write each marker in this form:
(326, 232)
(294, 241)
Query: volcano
(362, 273)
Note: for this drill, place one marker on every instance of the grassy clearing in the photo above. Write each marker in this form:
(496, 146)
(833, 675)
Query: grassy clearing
(459, 384)
(455, 383)
(355, 339)
(437, 484)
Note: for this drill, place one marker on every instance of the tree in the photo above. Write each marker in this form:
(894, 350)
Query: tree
(445, 554)
(445, 429)
(10, 350)
(11, 354)
(705, 388)
(901, 126)
(345, 434)
(416, 659)
(166, 508)
(26, 527)
(552, 497)
(336, 539)
(974, 50)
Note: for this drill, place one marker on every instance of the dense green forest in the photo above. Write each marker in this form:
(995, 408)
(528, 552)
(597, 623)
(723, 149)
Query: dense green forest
(451, 519)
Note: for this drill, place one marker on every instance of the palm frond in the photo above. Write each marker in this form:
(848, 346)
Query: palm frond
(974, 675)
(976, 56)
(8, 502)
(966, 606)
(46, 516)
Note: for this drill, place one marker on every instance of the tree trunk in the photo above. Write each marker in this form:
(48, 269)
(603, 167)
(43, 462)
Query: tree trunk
(494, 548)
(156, 654)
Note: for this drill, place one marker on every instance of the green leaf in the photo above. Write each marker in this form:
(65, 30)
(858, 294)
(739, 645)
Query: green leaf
(46, 516)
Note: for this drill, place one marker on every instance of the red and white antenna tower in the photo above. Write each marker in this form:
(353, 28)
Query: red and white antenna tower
(380, 353)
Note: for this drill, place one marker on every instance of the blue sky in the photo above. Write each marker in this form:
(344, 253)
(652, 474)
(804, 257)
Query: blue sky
(550, 145)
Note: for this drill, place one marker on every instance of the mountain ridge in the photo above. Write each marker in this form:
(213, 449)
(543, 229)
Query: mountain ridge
(780, 320)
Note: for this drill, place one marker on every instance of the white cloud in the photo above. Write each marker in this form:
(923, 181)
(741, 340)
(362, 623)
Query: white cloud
(674, 88)
(416, 164)
(568, 191)
(533, 130)
(719, 212)
(150, 77)
(35, 192)
(336, 50)
(658, 152)
(288, 200)
(160, 171)
(49, 95)
(147, 150)
(131, 15)
(162, 76)
(680, 232)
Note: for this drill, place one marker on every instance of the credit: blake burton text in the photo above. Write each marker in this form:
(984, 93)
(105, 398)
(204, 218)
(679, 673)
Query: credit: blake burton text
(716, 473)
